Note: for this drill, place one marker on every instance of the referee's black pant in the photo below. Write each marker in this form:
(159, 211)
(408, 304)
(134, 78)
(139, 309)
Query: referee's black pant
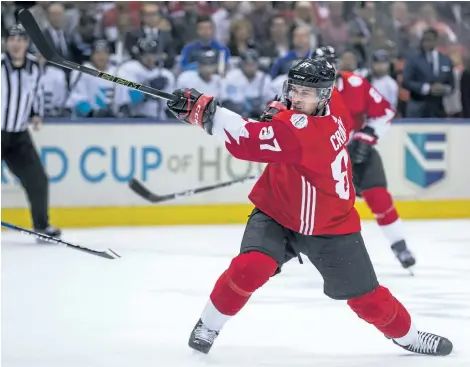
(22, 159)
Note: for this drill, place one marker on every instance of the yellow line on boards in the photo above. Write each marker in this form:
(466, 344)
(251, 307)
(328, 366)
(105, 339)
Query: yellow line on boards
(210, 214)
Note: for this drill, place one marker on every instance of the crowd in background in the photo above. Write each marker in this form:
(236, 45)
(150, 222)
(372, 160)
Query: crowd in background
(279, 33)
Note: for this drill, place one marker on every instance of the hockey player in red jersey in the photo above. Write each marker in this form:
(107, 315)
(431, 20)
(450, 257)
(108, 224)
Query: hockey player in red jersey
(372, 115)
(304, 203)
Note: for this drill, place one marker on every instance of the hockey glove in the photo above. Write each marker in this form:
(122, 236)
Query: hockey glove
(274, 107)
(361, 145)
(194, 108)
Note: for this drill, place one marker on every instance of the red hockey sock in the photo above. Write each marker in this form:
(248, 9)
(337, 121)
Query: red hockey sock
(380, 202)
(246, 273)
(384, 311)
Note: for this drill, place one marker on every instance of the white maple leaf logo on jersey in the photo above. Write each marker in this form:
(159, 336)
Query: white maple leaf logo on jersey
(355, 80)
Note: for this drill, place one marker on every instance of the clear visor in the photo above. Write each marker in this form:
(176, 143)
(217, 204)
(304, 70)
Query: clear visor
(296, 94)
(335, 63)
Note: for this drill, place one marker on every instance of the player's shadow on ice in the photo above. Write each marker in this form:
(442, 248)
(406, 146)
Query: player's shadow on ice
(258, 356)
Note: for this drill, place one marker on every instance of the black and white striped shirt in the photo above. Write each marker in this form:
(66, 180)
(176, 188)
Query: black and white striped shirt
(22, 95)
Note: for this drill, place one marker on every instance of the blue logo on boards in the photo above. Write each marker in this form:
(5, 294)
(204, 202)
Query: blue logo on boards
(425, 158)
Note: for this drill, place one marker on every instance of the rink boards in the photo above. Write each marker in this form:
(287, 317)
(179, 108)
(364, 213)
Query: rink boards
(89, 164)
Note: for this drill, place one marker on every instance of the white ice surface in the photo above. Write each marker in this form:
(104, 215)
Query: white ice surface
(64, 308)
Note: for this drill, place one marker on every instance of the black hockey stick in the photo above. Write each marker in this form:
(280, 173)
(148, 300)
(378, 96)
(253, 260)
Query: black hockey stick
(145, 193)
(107, 255)
(44, 47)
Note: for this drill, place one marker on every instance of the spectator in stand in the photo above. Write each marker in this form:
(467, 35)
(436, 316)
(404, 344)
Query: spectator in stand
(153, 26)
(260, 18)
(381, 41)
(185, 24)
(281, 31)
(54, 87)
(361, 30)
(277, 44)
(111, 16)
(399, 30)
(116, 37)
(205, 77)
(348, 62)
(465, 91)
(75, 10)
(302, 50)
(246, 89)
(303, 16)
(335, 31)
(82, 40)
(223, 17)
(453, 102)
(39, 12)
(147, 70)
(8, 13)
(55, 33)
(381, 79)
(463, 22)
(90, 96)
(205, 32)
(428, 19)
(429, 77)
(241, 37)
(446, 11)
(203, 7)
(119, 20)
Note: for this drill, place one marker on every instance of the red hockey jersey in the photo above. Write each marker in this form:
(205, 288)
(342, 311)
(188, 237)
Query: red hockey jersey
(365, 103)
(307, 185)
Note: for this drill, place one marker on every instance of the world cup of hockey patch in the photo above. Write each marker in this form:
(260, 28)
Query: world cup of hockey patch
(299, 121)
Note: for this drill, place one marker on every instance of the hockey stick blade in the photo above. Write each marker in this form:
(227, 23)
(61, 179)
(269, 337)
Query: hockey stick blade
(136, 186)
(111, 255)
(45, 48)
(142, 191)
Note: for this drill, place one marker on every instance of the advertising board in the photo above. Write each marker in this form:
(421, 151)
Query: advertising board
(89, 166)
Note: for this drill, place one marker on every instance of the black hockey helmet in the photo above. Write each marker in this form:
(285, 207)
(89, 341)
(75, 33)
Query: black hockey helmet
(17, 31)
(146, 46)
(207, 56)
(100, 45)
(249, 62)
(317, 74)
(313, 73)
(380, 56)
(249, 56)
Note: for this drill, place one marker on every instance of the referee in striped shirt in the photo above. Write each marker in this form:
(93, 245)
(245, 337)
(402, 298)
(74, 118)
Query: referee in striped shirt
(22, 103)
